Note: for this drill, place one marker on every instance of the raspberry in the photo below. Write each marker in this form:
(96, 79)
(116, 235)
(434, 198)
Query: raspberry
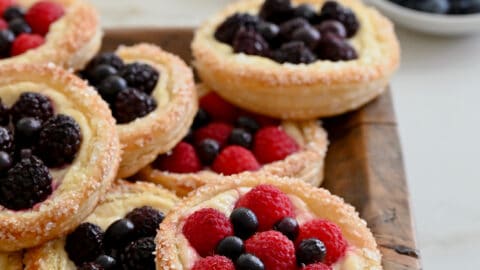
(216, 131)
(274, 249)
(6, 140)
(226, 31)
(132, 104)
(146, 220)
(214, 263)
(32, 105)
(317, 266)
(269, 204)
(235, 159)
(27, 183)
(139, 254)
(218, 109)
(327, 232)
(59, 141)
(4, 4)
(84, 244)
(182, 159)
(42, 14)
(3, 24)
(248, 41)
(205, 228)
(272, 144)
(140, 76)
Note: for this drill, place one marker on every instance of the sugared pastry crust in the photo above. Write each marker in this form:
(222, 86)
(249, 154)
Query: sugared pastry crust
(310, 206)
(122, 198)
(306, 164)
(71, 41)
(299, 91)
(170, 107)
(75, 183)
(11, 261)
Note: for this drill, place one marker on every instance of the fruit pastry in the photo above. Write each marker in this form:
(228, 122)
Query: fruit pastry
(265, 223)
(224, 140)
(63, 32)
(298, 59)
(152, 96)
(59, 150)
(119, 234)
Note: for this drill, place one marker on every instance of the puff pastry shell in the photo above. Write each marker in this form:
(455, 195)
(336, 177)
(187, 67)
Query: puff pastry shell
(78, 186)
(172, 246)
(121, 199)
(289, 91)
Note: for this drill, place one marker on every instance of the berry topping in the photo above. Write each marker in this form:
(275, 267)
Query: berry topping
(42, 14)
(227, 30)
(6, 39)
(240, 137)
(139, 255)
(269, 204)
(248, 41)
(182, 159)
(146, 220)
(107, 262)
(230, 247)
(201, 119)
(244, 221)
(269, 31)
(305, 11)
(131, 104)
(6, 140)
(26, 131)
(215, 131)
(274, 249)
(331, 236)
(333, 27)
(213, 263)
(107, 58)
(248, 261)
(310, 251)
(26, 184)
(294, 52)
(208, 150)
(235, 159)
(140, 76)
(205, 228)
(4, 114)
(333, 48)
(5, 162)
(91, 266)
(287, 28)
(59, 140)
(85, 243)
(247, 123)
(308, 35)
(218, 109)
(272, 144)
(461, 6)
(111, 86)
(289, 227)
(13, 12)
(32, 105)
(335, 11)
(317, 266)
(4, 4)
(276, 10)
(100, 73)
(19, 26)
(119, 233)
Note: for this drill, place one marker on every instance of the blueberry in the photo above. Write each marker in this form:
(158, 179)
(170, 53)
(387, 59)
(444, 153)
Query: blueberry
(287, 28)
(201, 119)
(311, 251)
(464, 6)
(269, 31)
(19, 26)
(432, 6)
(308, 35)
(26, 130)
(101, 72)
(231, 247)
(13, 12)
(305, 11)
(111, 86)
(248, 261)
(208, 150)
(248, 41)
(289, 227)
(244, 221)
(6, 39)
(332, 26)
(240, 137)
(247, 123)
(107, 262)
(119, 233)
(5, 161)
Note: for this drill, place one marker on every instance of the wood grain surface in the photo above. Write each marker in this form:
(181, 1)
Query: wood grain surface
(364, 163)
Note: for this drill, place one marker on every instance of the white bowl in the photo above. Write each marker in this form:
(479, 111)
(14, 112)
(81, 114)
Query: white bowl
(428, 22)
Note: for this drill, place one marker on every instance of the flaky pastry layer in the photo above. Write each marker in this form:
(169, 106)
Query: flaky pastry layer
(290, 91)
(77, 186)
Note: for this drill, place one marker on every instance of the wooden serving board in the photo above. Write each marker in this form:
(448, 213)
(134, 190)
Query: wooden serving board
(364, 163)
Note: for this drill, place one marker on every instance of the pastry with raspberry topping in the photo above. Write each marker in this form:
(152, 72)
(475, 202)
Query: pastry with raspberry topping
(267, 223)
(225, 140)
(297, 59)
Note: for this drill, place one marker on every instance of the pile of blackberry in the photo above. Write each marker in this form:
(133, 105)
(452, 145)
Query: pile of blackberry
(125, 87)
(456, 7)
(127, 244)
(293, 34)
(32, 140)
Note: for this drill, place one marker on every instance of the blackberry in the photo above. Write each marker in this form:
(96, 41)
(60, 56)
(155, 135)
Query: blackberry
(32, 105)
(132, 104)
(146, 220)
(276, 11)
(294, 52)
(308, 35)
(59, 141)
(140, 76)
(138, 255)
(287, 28)
(332, 26)
(310, 251)
(5, 162)
(19, 26)
(6, 140)
(108, 58)
(228, 29)
(269, 31)
(464, 6)
(250, 42)
(332, 10)
(84, 244)
(334, 48)
(305, 11)
(4, 114)
(91, 266)
(26, 184)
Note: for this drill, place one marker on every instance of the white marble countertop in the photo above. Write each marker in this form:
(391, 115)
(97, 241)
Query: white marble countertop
(436, 94)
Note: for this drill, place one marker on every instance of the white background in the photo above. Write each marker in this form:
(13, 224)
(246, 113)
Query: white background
(436, 92)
